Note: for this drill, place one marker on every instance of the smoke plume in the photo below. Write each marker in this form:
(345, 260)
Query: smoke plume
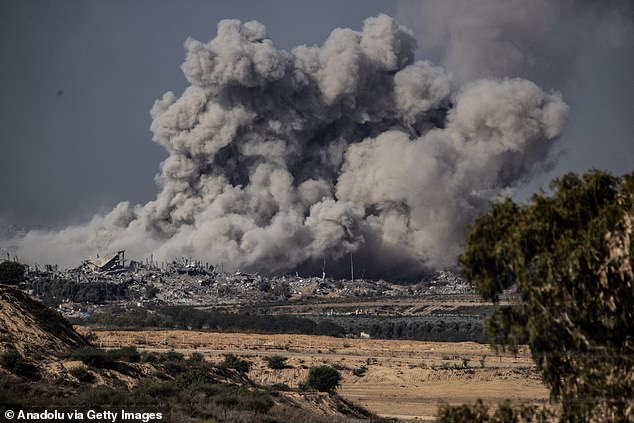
(536, 39)
(278, 160)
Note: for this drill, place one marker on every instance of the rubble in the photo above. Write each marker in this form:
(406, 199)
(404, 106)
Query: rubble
(109, 262)
(194, 283)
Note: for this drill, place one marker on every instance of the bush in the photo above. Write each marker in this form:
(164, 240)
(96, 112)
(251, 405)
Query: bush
(82, 374)
(173, 356)
(243, 399)
(127, 354)
(164, 390)
(231, 361)
(276, 362)
(193, 378)
(323, 378)
(13, 362)
(99, 358)
(149, 357)
(174, 367)
(99, 397)
(197, 357)
(92, 356)
(256, 401)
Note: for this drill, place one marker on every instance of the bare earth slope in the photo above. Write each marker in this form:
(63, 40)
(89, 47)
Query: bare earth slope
(44, 338)
(32, 328)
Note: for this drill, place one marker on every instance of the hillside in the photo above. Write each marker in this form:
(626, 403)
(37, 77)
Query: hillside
(50, 366)
(33, 329)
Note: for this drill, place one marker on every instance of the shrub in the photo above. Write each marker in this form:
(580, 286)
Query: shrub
(243, 399)
(174, 367)
(193, 378)
(276, 362)
(197, 357)
(173, 356)
(128, 354)
(256, 401)
(99, 397)
(323, 378)
(99, 358)
(231, 361)
(13, 362)
(157, 390)
(148, 357)
(92, 356)
(82, 374)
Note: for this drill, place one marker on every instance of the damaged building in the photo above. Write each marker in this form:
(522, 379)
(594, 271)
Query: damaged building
(107, 263)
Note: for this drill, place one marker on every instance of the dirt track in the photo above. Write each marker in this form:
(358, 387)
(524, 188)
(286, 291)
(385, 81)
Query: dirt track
(405, 379)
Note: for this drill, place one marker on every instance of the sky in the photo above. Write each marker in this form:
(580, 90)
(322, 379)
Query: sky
(78, 79)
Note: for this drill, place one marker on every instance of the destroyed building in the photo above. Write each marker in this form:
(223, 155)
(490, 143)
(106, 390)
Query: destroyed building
(106, 263)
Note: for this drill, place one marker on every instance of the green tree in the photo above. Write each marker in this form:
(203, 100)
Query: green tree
(323, 378)
(12, 273)
(569, 256)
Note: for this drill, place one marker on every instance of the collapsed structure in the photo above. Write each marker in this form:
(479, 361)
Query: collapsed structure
(108, 262)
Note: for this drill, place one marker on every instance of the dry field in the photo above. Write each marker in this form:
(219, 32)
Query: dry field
(404, 379)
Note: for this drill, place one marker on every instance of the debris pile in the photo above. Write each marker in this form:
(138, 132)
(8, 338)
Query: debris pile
(110, 280)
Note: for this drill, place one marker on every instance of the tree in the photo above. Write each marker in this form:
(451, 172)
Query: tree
(323, 378)
(569, 256)
(12, 273)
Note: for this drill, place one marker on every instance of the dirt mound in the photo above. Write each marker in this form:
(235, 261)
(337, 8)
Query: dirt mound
(323, 404)
(33, 329)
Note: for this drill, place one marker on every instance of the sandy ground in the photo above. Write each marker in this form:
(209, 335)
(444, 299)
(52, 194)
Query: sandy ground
(404, 379)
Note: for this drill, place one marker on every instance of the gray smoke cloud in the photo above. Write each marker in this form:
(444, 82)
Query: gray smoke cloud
(280, 159)
(536, 39)
(583, 48)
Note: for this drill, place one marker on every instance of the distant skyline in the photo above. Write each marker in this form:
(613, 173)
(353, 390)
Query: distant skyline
(79, 78)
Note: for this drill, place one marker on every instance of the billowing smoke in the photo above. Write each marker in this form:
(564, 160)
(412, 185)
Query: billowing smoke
(536, 39)
(279, 160)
